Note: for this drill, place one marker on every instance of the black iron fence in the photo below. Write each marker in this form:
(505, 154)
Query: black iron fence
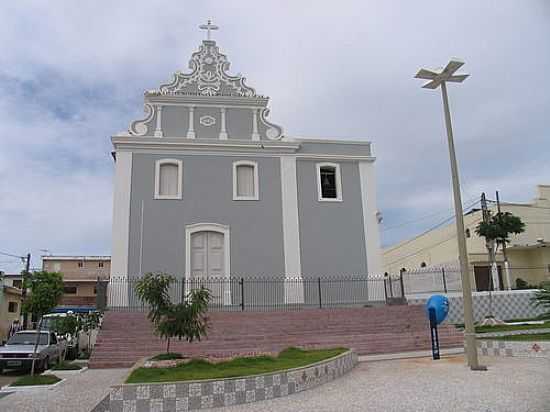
(269, 293)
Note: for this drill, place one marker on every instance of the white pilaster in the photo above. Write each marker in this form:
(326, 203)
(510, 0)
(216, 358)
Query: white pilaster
(121, 226)
(367, 178)
(158, 129)
(255, 134)
(191, 130)
(223, 132)
(294, 289)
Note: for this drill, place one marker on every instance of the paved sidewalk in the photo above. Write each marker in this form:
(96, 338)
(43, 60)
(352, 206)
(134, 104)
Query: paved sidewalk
(79, 393)
(414, 385)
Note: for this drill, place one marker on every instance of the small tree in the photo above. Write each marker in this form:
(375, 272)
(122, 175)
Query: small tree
(498, 228)
(46, 289)
(186, 320)
(153, 290)
(90, 322)
(542, 299)
(68, 327)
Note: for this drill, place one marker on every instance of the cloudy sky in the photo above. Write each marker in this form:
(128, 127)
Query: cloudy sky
(73, 73)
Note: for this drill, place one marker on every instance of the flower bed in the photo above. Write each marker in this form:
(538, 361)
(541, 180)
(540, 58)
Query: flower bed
(193, 395)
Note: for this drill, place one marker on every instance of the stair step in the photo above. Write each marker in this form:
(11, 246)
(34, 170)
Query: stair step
(126, 337)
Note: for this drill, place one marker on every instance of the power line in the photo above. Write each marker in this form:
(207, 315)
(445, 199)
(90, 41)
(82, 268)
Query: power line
(427, 247)
(426, 216)
(11, 255)
(450, 218)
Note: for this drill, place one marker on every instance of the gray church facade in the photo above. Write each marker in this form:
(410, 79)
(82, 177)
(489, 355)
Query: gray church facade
(206, 186)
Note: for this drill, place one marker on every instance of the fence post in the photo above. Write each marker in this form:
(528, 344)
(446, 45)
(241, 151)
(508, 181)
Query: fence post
(320, 299)
(401, 282)
(242, 294)
(386, 275)
(444, 279)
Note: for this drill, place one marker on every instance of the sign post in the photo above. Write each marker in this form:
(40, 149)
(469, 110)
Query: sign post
(437, 308)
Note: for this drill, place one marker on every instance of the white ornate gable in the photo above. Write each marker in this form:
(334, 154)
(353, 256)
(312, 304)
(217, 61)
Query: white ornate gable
(209, 76)
(207, 102)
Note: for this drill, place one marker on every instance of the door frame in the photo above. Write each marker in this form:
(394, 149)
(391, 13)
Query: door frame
(211, 227)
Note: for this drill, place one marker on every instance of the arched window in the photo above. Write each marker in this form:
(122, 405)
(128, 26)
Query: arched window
(168, 179)
(329, 183)
(245, 180)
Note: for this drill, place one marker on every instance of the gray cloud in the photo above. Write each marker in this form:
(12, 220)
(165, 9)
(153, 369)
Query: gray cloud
(73, 74)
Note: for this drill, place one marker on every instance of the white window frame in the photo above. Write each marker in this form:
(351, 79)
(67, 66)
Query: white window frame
(256, 195)
(158, 164)
(338, 178)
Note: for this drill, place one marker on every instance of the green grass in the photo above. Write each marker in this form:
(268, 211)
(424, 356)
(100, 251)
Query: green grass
(200, 369)
(36, 380)
(507, 328)
(522, 338)
(167, 356)
(66, 366)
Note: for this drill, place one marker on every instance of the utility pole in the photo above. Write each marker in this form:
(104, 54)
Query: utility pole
(506, 263)
(491, 248)
(490, 319)
(24, 288)
(439, 78)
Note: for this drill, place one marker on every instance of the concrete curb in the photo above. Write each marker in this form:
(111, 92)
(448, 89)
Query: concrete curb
(10, 389)
(65, 371)
(409, 355)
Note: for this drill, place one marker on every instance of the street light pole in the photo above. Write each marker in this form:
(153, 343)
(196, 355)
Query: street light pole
(440, 78)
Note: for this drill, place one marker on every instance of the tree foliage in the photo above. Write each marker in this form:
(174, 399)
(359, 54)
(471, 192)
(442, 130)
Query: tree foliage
(67, 325)
(153, 290)
(185, 320)
(542, 299)
(500, 226)
(46, 289)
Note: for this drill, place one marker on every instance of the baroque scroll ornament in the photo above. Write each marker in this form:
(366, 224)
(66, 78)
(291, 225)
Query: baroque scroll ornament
(208, 76)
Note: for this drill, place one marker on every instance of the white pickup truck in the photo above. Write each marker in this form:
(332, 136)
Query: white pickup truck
(17, 353)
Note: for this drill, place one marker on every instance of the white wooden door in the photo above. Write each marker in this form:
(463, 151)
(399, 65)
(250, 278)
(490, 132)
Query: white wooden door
(207, 255)
(207, 263)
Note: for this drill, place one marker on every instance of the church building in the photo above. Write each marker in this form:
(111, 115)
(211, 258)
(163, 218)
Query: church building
(206, 186)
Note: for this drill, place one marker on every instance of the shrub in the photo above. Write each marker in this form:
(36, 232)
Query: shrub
(167, 356)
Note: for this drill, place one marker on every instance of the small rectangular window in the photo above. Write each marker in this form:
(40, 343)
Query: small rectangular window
(100, 264)
(69, 290)
(168, 179)
(17, 283)
(80, 264)
(245, 180)
(329, 182)
(12, 307)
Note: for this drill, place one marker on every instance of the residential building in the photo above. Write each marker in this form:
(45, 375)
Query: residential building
(10, 307)
(80, 276)
(13, 279)
(528, 253)
(206, 186)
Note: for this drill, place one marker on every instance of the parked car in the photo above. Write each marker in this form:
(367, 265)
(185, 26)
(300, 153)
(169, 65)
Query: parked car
(17, 353)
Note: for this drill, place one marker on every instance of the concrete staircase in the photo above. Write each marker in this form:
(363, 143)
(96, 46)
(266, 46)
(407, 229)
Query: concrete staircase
(126, 337)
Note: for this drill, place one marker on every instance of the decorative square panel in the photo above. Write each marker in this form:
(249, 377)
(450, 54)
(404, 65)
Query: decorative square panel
(207, 121)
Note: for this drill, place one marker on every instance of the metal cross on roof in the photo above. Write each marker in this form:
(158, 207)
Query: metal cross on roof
(209, 26)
